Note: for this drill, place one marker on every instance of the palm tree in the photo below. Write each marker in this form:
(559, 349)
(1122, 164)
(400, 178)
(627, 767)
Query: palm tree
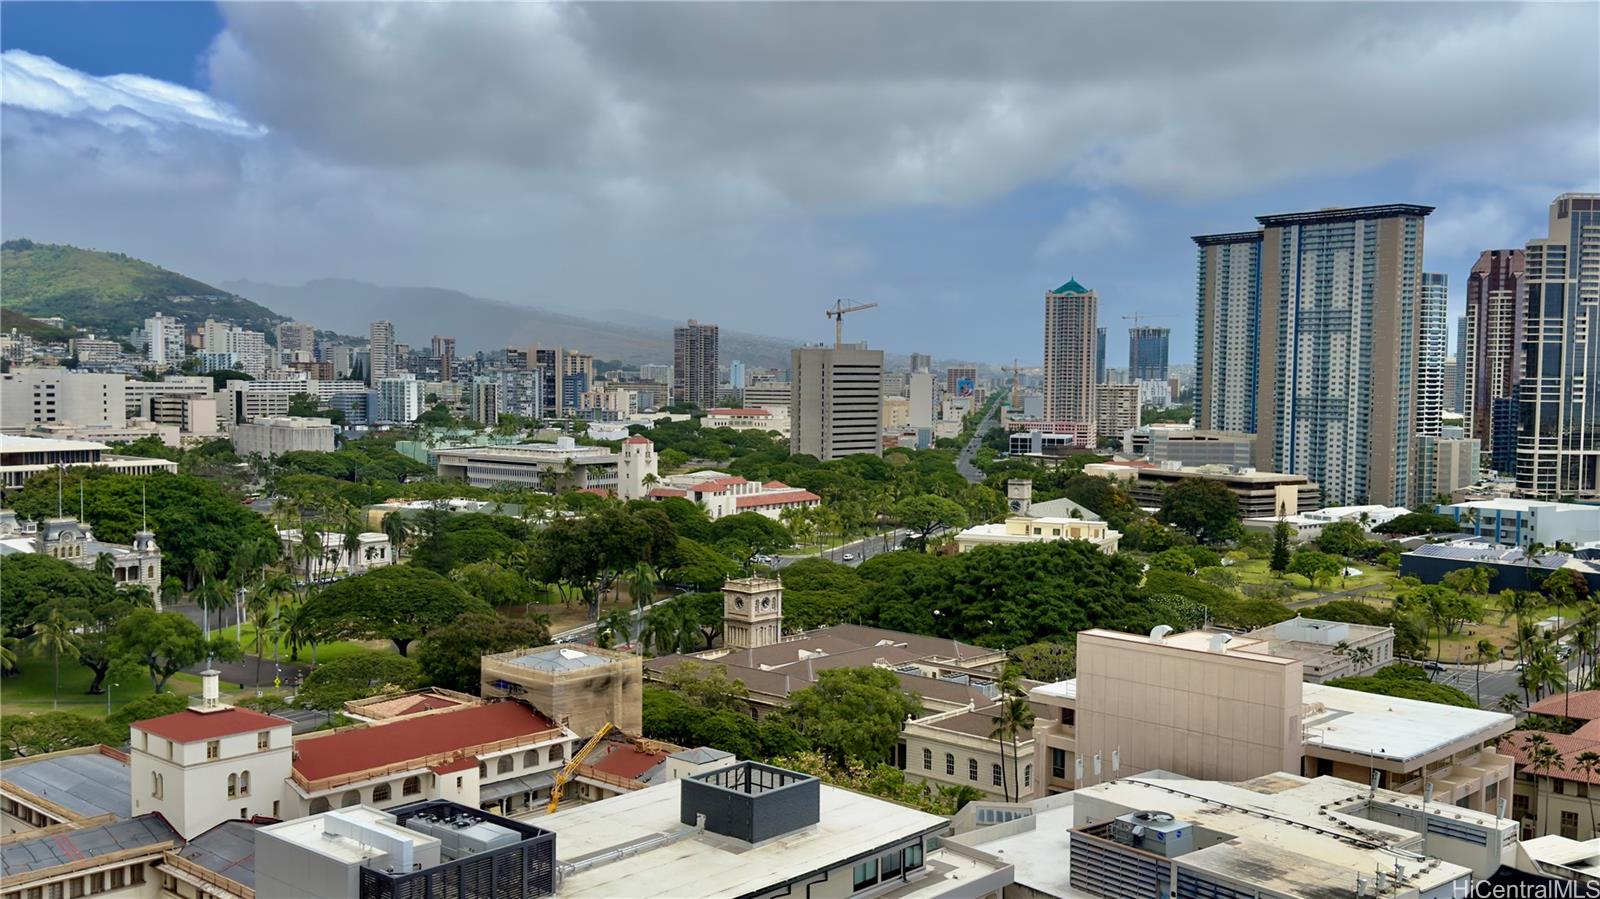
(1483, 653)
(8, 651)
(396, 529)
(1510, 704)
(1587, 763)
(54, 634)
(614, 624)
(662, 629)
(208, 596)
(1543, 757)
(1015, 716)
(105, 564)
(1518, 605)
(295, 623)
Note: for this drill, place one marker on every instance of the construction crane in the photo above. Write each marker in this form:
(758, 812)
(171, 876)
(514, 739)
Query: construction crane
(1136, 319)
(566, 773)
(1016, 383)
(838, 312)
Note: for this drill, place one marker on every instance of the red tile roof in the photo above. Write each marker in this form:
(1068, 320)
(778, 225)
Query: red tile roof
(761, 500)
(636, 439)
(776, 485)
(1582, 706)
(1569, 745)
(429, 703)
(461, 764)
(716, 484)
(417, 738)
(597, 491)
(189, 726)
(664, 492)
(627, 761)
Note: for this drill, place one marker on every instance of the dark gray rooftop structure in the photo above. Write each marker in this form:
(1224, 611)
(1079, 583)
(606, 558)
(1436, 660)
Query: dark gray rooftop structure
(751, 802)
(87, 784)
(229, 850)
(57, 849)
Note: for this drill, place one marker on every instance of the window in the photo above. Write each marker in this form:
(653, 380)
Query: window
(558, 752)
(865, 874)
(274, 808)
(949, 763)
(411, 786)
(244, 812)
(530, 759)
(233, 785)
(264, 740)
(169, 749)
(927, 759)
(145, 737)
(1058, 764)
(1561, 787)
(483, 770)
(244, 784)
(891, 864)
(505, 765)
(995, 775)
(213, 749)
(458, 783)
(118, 878)
(1569, 825)
(1069, 717)
(97, 882)
(972, 769)
(380, 793)
(75, 889)
(913, 857)
(155, 785)
(136, 874)
(56, 890)
(1027, 775)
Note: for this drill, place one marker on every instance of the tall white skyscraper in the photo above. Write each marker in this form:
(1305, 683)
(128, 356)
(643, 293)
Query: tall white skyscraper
(381, 361)
(1558, 439)
(164, 336)
(836, 409)
(1227, 328)
(249, 348)
(1069, 352)
(1432, 347)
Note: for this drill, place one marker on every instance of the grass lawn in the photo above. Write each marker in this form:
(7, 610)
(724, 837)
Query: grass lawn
(565, 617)
(31, 690)
(1256, 572)
(326, 652)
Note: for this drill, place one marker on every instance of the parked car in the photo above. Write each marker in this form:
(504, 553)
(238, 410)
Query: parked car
(1433, 666)
(849, 557)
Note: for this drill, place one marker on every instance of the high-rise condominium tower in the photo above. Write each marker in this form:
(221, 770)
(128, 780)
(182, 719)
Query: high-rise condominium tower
(1227, 329)
(381, 362)
(1490, 351)
(836, 407)
(1147, 353)
(1099, 355)
(1558, 438)
(1322, 313)
(694, 364)
(1463, 396)
(1069, 352)
(444, 350)
(1432, 347)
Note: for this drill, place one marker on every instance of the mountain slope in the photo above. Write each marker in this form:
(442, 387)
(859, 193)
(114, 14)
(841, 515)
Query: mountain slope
(419, 313)
(111, 292)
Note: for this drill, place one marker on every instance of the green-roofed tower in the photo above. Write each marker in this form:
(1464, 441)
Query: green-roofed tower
(1070, 334)
(1072, 286)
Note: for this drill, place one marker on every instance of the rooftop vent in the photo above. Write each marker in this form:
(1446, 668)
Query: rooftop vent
(751, 802)
(1219, 642)
(1154, 831)
(1159, 633)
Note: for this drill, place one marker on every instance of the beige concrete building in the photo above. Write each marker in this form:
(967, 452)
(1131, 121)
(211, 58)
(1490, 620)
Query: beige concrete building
(1116, 409)
(1069, 352)
(836, 409)
(1260, 493)
(270, 437)
(956, 748)
(23, 457)
(752, 612)
(1213, 706)
(549, 467)
(581, 688)
(752, 418)
(1328, 649)
(36, 396)
(1029, 529)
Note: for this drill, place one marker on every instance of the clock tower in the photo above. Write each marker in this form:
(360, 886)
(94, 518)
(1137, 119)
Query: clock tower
(752, 612)
(1019, 495)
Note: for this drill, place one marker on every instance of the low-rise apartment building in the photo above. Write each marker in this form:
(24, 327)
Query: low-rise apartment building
(269, 437)
(752, 418)
(548, 467)
(1524, 522)
(1259, 493)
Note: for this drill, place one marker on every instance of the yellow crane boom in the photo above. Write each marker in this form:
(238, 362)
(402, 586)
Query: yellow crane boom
(565, 774)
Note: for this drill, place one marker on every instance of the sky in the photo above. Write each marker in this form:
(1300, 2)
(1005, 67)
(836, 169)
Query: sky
(748, 163)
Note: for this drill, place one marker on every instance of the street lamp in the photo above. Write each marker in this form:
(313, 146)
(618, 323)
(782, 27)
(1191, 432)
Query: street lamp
(109, 685)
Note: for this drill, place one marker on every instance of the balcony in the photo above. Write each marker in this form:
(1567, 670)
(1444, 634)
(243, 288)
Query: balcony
(1463, 777)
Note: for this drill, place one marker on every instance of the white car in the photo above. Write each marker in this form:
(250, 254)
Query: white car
(849, 557)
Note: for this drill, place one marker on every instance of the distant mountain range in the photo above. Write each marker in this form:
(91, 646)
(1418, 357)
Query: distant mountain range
(419, 313)
(110, 293)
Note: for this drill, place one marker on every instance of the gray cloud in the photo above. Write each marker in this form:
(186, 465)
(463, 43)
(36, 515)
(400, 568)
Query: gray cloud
(720, 159)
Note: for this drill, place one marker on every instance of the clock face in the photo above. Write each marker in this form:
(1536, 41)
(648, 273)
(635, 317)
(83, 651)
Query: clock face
(738, 602)
(1016, 505)
(766, 603)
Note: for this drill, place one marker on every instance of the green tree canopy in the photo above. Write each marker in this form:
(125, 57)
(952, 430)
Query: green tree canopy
(400, 603)
(1047, 662)
(852, 713)
(1202, 508)
(1407, 682)
(922, 515)
(1419, 523)
(450, 655)
(37, 734)
(749, 533)
(164, 643)
(332, 684)
(1342, 538)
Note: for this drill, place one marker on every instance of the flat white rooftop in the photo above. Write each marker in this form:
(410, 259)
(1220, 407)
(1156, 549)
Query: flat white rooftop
(1511, 504)
(708, 865)
(1066, 689)
(1391, 727)
(19, 444)
(312, 835)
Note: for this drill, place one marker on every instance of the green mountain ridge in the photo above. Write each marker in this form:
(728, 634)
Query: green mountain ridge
(113, 293)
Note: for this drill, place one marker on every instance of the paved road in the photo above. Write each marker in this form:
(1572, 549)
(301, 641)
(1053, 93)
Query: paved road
(964, 460)
(861, 550)
(1497, 679)
(1353, 593)
(585, 632)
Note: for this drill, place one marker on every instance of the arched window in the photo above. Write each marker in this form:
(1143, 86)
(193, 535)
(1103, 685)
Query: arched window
(244, 784)
(972, 769)
(319, 805)
(530, 759)
(505, 765)
(411, 786)
(558, 752)
(155, 784)
(927, 759)
(996, 776)
(483, 770)
(1027, 775)
(233, 785)
(949, 763)
(350, 797)
(380, 793)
